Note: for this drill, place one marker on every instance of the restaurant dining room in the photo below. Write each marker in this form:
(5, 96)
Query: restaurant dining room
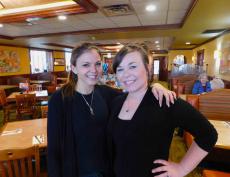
(61, 67)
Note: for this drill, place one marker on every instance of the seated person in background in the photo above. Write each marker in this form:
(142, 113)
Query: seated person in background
(202, 85)
(216, 83)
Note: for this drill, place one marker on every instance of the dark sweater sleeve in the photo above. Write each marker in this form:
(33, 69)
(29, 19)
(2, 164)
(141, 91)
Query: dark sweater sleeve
(194, 122)
(53, 133)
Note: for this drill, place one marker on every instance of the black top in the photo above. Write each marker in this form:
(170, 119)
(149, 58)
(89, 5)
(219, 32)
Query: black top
(90, 133)
(136, 143)
(76, 140)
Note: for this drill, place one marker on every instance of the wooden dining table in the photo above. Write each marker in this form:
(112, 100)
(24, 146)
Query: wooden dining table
(22, 134)
(223, 130)
(40, 95)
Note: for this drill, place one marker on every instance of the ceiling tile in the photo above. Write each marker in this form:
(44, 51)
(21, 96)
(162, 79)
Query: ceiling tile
(160, 5)
(179, 4)
(153, 19)
(176, 14)
(127, 20)
(97, 20)
(174, 20)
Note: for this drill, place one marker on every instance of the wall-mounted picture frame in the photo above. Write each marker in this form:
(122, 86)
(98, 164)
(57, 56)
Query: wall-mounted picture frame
(59, 62)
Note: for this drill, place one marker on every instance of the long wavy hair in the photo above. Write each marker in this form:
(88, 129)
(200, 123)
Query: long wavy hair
(69, 88)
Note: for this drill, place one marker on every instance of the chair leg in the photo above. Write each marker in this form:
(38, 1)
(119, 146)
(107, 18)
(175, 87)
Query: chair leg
(5, 116)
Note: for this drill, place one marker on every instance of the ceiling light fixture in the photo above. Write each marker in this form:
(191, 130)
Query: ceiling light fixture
(188, 43)
(157, 46)
(62, 17)
(150, 8)
(34, 8)
(1, 25)
(156, 42)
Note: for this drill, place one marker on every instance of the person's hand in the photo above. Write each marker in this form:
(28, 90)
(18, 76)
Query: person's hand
(159, 91)
(169, 169)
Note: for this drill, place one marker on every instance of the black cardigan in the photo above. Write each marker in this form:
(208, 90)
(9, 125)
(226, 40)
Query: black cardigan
(62, 160)
(148, 135)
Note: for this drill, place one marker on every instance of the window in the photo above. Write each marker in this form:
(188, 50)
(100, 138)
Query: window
(67, 60)
(41, 61)
(156, 66)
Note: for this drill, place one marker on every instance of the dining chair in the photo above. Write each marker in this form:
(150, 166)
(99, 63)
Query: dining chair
(35, 87)
(20, 162)
(26, 105)
(44, 111)
(7, 108)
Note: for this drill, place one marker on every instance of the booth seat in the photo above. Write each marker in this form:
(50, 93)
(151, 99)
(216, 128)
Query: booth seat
(183, 84)
(213, 173)
(214, 105)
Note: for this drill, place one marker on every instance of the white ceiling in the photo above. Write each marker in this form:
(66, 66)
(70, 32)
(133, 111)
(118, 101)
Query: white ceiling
(167, 12)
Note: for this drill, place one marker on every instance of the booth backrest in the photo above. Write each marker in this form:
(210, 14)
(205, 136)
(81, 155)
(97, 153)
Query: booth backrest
(214, 105)
(183, 84)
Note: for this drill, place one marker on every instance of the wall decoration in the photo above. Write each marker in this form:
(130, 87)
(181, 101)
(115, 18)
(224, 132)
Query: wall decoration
(9, 61)
(59, 62)
(225, 61)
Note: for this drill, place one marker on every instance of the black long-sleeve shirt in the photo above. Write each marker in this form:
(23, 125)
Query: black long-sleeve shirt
(76, 140)
(136, 143)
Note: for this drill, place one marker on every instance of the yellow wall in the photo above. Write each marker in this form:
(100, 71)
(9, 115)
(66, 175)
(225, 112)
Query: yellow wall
(23, 54)
(213, 64)
(58, 54)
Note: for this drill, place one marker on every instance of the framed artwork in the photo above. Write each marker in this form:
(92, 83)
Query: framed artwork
(225, 61)
(59, 61)
(9, 61)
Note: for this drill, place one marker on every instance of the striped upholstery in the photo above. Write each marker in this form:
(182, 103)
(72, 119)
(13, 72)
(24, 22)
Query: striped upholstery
(216, 104)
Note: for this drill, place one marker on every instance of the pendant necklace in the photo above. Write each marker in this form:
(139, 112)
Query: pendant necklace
(89, 105)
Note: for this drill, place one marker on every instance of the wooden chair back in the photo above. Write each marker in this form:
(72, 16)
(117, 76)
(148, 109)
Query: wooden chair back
(44, 111)
(19, 162)
(7, 108)
(3, 101)
(35, 87)
(26, 104)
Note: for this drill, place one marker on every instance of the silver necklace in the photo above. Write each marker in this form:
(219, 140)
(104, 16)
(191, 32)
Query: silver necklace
(90, 106)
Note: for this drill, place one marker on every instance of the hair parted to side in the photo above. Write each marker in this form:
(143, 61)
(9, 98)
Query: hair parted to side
(129, 49)
(69, 88)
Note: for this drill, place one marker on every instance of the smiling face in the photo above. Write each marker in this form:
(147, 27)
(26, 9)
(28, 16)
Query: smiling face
(88, 68)
(132, 73)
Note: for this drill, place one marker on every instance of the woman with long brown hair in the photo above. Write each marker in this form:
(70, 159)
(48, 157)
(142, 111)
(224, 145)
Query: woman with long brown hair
(77, 119)
(140, 132)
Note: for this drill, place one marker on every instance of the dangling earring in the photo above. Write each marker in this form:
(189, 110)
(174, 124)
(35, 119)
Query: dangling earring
(75, 77)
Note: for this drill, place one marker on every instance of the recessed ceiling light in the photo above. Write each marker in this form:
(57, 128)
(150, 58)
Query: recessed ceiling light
(188, 43)
(62, 17)
(150, 8)
(1, 25)
(156, 42)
